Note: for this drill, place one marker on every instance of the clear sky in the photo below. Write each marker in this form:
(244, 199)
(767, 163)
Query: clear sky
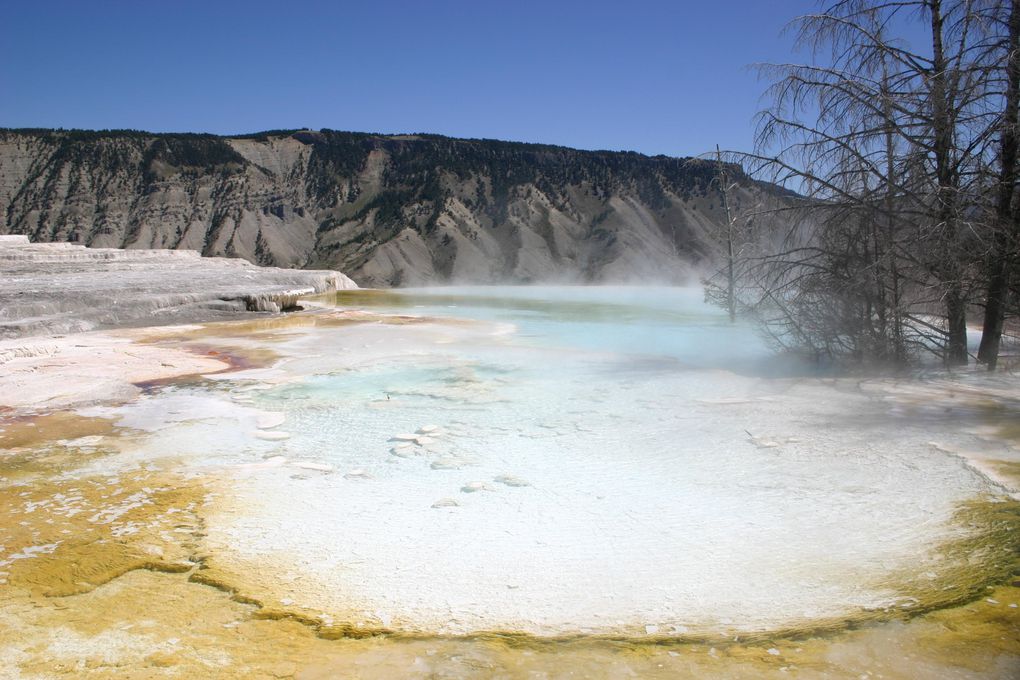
(655, 76)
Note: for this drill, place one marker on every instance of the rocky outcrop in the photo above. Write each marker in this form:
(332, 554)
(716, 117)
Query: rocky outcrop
(64, 287)
(387, 210)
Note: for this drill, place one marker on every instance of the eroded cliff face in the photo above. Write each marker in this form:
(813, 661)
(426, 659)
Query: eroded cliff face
(386, 210)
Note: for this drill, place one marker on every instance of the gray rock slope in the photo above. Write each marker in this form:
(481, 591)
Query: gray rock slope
(63, 287)
(386, 210)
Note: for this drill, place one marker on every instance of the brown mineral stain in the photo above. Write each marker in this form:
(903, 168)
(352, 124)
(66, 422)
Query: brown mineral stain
(144, 623)
(70, 536)
(1010, 470)
(277, 327)
(36, 429)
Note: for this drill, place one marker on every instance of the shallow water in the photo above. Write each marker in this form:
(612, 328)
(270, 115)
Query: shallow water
(607, 461)
(628, 321)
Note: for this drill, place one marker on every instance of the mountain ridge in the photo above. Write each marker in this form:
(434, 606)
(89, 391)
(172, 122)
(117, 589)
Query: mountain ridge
(388, 210)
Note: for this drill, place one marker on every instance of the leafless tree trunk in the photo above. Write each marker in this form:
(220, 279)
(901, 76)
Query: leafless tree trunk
(946, 191)
(731, 279)
(1004, 258)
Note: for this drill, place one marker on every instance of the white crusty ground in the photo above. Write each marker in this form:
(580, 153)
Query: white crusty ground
(670, 501)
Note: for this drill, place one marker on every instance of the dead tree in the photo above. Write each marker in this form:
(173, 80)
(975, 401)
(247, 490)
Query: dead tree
(1005, 256)
(720, 286)
(885, 143)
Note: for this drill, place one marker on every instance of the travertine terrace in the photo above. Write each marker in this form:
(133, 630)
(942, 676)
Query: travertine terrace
(64, 287)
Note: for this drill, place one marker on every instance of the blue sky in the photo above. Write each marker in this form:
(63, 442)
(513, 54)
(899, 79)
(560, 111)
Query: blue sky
(654, 76)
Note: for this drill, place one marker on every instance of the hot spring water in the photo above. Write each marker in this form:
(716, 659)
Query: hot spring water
(561, 461)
